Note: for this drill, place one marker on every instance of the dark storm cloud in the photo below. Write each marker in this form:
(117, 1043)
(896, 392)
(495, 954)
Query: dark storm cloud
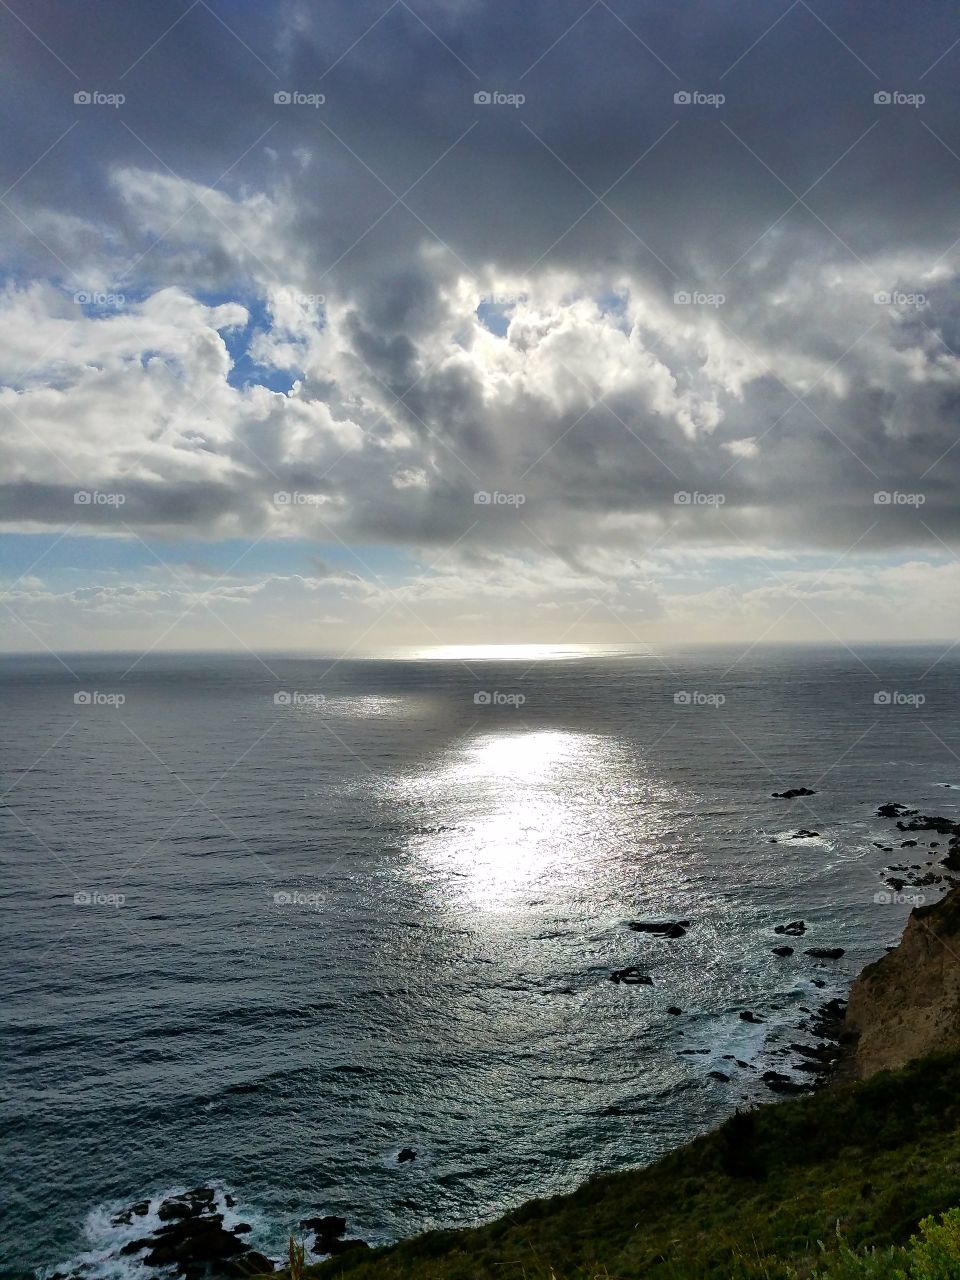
(597, 99)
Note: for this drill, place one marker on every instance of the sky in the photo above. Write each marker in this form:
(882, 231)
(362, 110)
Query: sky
(354, 324)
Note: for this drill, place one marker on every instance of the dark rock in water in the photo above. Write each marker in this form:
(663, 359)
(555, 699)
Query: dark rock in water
(689, 1051)
(822, 1053)
(189, 1205)
(172, 1210)
(136, 1246)
(330, 1226)
(186, 1243)
(894, 810)
(347, 1246)
(330, 1229)
(748, 1066)
(804, 834)
(779, 1083)
(792, 793)
(674, 1009)
(192, 1241)
(138, 1210)
(895, 883)
(794, 929)
(719, 1075)
(825, 953)
(198, 1195)
(818, 982)
(829, 1020)
(942, 826)
(908, 844)
(664, 928)
(747, 1015)
(229, 1201)
(632, 977)
(783, 951)
(405, 1155)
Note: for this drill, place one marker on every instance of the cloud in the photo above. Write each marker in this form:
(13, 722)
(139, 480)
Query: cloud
(589, 424)
(642, 325)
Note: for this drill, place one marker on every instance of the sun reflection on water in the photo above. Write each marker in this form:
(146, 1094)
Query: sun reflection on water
(525, 807)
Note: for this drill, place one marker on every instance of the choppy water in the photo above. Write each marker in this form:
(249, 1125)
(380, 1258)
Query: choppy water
(386, 915)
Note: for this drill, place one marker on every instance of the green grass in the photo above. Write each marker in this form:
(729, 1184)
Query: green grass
(784, 1191)
(934, 1254)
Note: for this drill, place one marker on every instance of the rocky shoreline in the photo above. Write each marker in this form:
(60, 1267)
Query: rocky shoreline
(903, 1006)
(837, 1039)
(187, 1235)
(885, 1022)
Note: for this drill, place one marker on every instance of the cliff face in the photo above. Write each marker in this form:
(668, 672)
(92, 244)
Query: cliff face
(907, 1004)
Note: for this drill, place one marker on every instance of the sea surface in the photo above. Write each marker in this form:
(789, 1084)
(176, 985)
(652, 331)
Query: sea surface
(267, 921)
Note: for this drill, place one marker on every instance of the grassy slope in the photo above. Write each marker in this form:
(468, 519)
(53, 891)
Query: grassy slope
(746, 1200)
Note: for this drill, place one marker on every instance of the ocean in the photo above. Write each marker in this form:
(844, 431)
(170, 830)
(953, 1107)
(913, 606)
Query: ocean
(268, 921)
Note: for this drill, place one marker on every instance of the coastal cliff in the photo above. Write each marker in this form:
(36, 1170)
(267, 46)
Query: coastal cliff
(857, 1181)
(844, 1183)
(906, 1005)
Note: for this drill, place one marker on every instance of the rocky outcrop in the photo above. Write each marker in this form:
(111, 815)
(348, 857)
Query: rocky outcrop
(328, 1235)
(192, 1241)
(663, 928)
(794, 929)
(907, 1004)
(632, 977)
